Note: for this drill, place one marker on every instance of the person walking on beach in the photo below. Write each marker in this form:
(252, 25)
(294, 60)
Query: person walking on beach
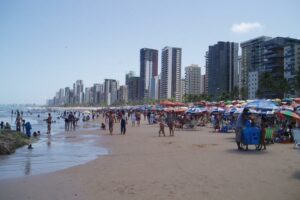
(240, 123)
(263, 126)
(123, 123)
(133, 119)
(111, 120)
(161, 126)
(49, 121)
(138, 118)
(170, 123)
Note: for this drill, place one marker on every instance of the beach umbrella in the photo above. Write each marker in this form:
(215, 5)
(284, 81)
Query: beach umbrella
(178, 104)
(181, 109)
(288, 114)
(262, 104)
(217, 110)
(195, 110)
(166, 103)
(286, 107)
(87, 112)
(297, 100)
(228, 102)
(288, 100)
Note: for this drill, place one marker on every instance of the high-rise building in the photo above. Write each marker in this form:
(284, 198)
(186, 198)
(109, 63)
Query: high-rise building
(193, 80)
(183, 89)
(88, 95)
(202, 91)
(170, 73)
(148, 69)
(154, 93)
(133, 88)
(291, 66)
(78, 92)
(252, 63)
(98, 90)
(276, 62)
(128, 76)
(110, 91)
(123, 93)
(67, 96)
(222, 63)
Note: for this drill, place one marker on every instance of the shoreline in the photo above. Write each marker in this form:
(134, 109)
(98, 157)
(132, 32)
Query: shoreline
(191, 165)
(61, 146)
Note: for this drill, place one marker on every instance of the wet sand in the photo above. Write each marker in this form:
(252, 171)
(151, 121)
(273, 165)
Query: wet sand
(192, 165)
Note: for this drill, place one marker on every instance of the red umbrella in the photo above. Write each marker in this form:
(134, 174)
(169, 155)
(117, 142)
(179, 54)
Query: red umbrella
(166, 103)
(178, 104)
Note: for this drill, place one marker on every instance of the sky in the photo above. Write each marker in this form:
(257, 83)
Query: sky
(47, 45)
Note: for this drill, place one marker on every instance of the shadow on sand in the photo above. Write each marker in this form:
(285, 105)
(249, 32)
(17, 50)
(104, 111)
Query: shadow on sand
(296, 175)
(251, 151)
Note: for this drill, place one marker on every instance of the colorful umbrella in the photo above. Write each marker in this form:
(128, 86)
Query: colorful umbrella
(262, 104)
(288, 114)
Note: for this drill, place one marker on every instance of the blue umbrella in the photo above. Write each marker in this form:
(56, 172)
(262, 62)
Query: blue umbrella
(262, 105)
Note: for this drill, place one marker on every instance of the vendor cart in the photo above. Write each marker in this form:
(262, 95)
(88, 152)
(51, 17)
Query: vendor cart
(251, 136)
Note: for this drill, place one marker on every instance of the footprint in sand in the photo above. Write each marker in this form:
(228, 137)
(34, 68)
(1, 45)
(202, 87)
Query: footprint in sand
(204, 145)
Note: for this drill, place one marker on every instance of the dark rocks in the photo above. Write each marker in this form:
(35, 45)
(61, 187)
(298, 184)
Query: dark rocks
(11, 140)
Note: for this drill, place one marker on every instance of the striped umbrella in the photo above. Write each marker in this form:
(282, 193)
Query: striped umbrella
(288, 114)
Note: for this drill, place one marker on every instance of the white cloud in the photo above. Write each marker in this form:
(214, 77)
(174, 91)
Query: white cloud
(245, 27)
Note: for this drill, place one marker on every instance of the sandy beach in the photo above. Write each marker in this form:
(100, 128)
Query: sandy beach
(195, 164)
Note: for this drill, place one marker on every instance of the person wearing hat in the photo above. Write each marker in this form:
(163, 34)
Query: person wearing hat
(240, 123)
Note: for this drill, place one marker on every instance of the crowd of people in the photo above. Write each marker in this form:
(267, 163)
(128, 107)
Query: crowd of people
(273, 129)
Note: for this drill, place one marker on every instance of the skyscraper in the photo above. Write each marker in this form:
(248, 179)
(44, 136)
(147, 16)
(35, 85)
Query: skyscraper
(154, 87)
(275, 62)
(128, 76)
(252, 62)
(133, 88)
(78, 91)
(110, 91)
(98, 89)
(193, 80)
(170, 84)
(222, 63)
(148, 69)
(123, 93)
(291, 66)
(182, 90)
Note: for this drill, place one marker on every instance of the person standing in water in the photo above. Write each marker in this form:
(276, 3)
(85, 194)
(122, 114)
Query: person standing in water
(18, 122)
(49, 121)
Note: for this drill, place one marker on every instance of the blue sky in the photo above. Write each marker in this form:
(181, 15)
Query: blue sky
(47, 45)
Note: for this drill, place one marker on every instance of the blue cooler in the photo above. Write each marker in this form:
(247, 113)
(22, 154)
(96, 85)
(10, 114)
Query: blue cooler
(251, 135)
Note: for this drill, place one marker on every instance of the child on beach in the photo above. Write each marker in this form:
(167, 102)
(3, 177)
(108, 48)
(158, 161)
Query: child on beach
(161, 127)
(103, 127)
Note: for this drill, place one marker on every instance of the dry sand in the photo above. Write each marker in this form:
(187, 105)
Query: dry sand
(192, 165)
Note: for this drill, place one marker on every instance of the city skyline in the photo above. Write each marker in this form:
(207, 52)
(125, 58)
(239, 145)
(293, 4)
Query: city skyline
(49, 45)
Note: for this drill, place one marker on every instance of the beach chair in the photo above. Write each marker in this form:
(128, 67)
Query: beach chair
(269, 135)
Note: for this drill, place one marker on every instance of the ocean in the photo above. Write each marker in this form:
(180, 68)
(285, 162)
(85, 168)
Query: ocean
(51, 152)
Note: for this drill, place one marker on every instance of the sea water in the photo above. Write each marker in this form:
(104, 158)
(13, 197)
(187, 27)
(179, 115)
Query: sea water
(50, 152)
